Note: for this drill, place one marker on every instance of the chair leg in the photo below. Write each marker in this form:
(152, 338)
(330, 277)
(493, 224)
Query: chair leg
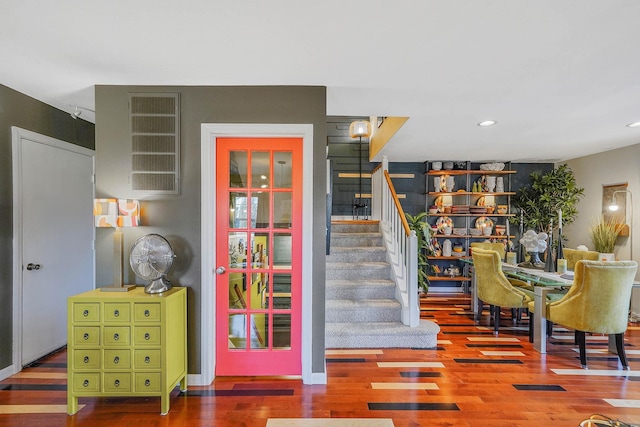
(496, 319)
(531, 326)
(480, 304)
(581, 341)
(620, 348)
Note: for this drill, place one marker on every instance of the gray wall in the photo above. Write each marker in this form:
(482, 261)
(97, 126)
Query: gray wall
(17, 109)
(178, 217)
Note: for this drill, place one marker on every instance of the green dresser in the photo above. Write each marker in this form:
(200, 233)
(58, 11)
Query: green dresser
(126, 344)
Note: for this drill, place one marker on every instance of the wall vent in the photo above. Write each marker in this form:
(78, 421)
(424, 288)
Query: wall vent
(155, 143)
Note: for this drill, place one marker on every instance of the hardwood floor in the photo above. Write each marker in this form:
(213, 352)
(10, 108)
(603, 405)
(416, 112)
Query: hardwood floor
(471, 379)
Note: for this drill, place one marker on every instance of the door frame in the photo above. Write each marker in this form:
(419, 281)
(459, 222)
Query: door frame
(17, 135)
(209, 134)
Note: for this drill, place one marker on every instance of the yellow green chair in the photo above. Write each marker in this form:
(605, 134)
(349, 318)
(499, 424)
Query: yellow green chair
(498, 247)
(493, 287)
(597, 302)
(573, 255)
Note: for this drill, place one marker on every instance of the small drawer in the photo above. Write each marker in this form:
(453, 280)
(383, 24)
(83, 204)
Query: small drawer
(86, 312)
(146, 359)
(86, 359)
(148, 382)
(147, 312)
(86, 335)
(117, 312)
(117, 336)
(117, 382)
(117, 359)
(146, 335)
(86, 382)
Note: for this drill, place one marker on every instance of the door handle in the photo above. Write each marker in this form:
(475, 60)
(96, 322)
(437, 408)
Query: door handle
(32, 266)
(221, 270)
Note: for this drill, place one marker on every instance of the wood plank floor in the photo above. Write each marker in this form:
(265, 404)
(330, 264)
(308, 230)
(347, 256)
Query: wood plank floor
(471, 379)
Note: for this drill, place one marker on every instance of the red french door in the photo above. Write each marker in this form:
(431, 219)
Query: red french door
(259, 256)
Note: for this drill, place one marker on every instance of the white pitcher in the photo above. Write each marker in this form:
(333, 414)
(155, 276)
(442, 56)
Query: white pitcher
(446, 248)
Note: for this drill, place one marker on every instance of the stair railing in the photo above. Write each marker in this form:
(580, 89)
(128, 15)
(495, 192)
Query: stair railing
(401, 242)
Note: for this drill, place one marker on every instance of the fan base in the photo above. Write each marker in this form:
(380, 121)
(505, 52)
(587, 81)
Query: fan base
(157, 286)
(123, 288)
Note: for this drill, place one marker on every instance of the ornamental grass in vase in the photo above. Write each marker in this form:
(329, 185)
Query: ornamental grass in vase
(604, 233)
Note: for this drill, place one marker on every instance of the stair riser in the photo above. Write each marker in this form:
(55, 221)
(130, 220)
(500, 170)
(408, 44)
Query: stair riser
(360, 292)
(381, 341)
(356, 255)
(358, 273)
(351, 241)
(363, 314)
(355, 228)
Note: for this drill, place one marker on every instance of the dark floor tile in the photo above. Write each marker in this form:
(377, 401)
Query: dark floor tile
(33, 387)
(346, 360)
(412, 374)
(538, 387)
(232, 393)
(413, 407)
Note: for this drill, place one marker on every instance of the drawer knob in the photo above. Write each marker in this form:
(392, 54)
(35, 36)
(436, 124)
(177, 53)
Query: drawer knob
(147, 383)
(147, 359)
(116, 337)
(86, 359)
(147, 336)
(146, 313)
(116, 383)
(85, 313)
(85, 383)
(86, 336)
(116, 360)
(116, 313)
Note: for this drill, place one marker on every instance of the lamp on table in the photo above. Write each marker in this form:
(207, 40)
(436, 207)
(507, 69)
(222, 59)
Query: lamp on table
(117, 213)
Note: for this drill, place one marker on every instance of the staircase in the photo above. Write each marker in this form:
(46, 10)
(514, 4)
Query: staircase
(361, 309)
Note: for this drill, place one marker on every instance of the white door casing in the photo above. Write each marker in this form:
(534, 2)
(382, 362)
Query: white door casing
(209, 133)
(53, 194)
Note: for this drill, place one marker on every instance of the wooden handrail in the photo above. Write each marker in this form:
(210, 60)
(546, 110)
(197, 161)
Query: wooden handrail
(376, 168)
(403, 217)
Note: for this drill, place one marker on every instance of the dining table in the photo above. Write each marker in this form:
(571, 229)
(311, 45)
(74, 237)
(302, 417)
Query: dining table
(543, 283)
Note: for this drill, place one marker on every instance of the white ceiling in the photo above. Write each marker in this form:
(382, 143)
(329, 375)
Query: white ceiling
(561, 77)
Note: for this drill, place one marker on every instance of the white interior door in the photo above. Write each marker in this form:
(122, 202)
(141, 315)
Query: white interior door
(55, 234)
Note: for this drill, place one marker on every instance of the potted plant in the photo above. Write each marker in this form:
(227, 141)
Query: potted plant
(548, 194)
(418, 224)
(603, 233)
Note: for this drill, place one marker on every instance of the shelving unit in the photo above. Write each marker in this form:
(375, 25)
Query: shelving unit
(464, 180)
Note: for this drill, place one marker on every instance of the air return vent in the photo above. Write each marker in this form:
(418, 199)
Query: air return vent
(155, 143)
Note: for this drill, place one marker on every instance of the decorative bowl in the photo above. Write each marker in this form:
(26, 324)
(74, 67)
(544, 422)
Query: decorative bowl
(448, 165)
(492, 166)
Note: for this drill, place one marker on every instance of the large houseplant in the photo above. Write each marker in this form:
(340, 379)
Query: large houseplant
(547, 194)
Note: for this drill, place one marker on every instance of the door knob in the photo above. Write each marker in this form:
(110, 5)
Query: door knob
(221, 270)
(32, 266)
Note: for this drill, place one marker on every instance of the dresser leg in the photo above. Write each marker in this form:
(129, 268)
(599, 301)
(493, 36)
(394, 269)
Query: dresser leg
(164, 403)
(72, 404)
(183, 383)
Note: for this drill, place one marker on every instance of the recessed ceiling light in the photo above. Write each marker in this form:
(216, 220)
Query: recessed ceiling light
(487, 123)
(634, 125)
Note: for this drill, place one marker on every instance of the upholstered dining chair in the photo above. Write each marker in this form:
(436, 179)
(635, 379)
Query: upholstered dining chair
(493, 287)
(494, 246)
(573, 255)
(597, 302)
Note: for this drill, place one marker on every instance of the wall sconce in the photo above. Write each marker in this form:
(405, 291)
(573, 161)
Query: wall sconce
(613, 207)
(116, 213)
